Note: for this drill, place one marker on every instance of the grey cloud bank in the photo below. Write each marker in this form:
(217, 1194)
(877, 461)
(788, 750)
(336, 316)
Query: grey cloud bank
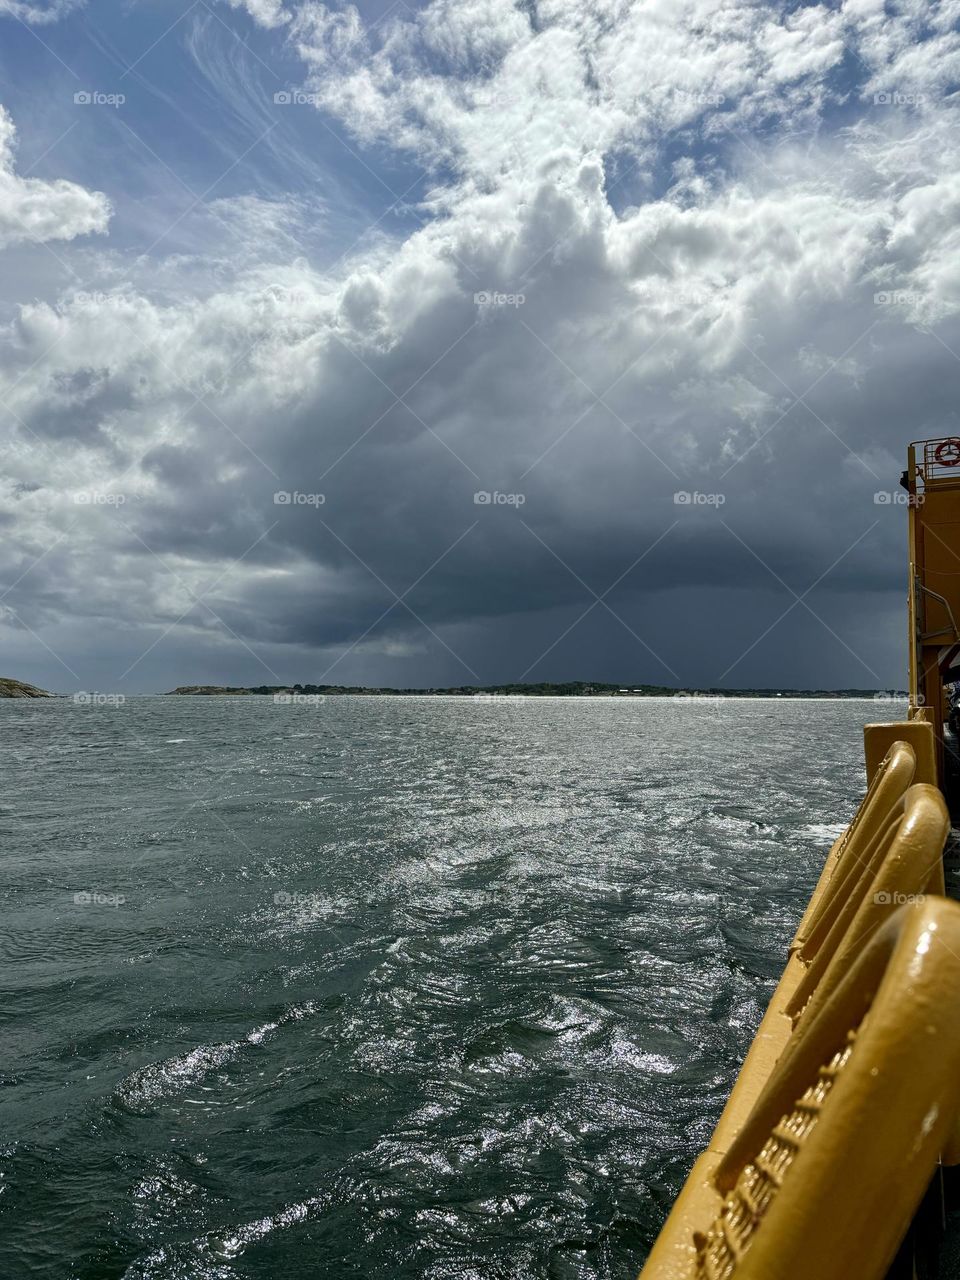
(623, 285)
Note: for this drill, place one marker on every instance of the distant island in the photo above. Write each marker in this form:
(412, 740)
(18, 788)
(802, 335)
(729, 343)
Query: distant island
(18, 689)
(569, 689)
(10, 688)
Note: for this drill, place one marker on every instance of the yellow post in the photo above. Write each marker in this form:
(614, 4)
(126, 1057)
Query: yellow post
(933, 494)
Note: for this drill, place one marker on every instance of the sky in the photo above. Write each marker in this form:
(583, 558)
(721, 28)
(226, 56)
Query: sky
(470, 341)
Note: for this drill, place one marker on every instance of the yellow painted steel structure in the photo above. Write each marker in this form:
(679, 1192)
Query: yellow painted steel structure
(932, 482)
(849, 1097)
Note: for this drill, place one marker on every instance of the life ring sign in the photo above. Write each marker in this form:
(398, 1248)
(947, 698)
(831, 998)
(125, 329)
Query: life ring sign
(947, 453)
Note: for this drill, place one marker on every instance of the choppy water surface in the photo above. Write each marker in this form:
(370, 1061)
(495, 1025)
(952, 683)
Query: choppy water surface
(387, 987)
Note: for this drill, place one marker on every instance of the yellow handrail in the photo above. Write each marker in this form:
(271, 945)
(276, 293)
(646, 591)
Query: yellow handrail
(826, 1173)
(878, 817)
(890, 853)
(887, 788)
(905, 861)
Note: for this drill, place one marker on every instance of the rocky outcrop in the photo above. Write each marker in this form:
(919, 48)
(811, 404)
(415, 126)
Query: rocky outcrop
(17, 689)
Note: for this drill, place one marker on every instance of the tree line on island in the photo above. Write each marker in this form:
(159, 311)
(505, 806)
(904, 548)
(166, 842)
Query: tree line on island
(10, 688)
(545, 689)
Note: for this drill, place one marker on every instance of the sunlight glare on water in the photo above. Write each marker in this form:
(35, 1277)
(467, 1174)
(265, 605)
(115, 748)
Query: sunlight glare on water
(433, 988)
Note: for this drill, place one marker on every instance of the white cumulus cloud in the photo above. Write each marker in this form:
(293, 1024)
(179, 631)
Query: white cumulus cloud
(33, 209)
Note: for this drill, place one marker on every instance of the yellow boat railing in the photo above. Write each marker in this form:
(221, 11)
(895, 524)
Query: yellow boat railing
(904, 860)
(849, 1094)
(887, 788)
